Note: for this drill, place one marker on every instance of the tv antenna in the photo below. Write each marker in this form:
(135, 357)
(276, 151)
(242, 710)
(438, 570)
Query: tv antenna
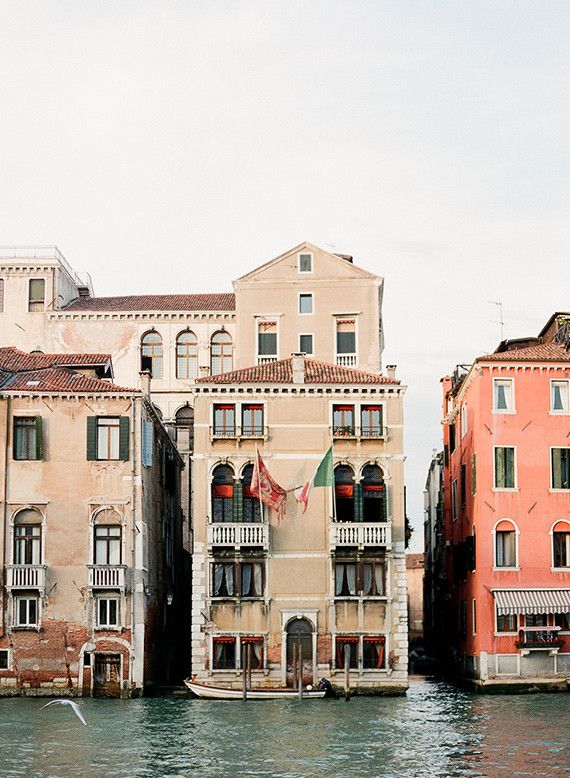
(501, 321)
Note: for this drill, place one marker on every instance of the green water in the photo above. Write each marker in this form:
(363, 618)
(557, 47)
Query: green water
(434, 731)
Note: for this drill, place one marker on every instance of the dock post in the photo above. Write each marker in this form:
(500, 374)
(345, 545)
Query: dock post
(347, 648)
(244, 673)
(300, 671)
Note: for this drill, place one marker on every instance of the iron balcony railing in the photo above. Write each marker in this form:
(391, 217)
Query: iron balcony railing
(239, 534)
(339, 432)
(107, 576)
(546, 638)
(360, 534)
(231, 432)
(26, 577)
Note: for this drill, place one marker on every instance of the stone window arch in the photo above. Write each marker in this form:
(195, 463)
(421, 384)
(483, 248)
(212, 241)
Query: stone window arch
(186, 355)
(28, 537)
(374, 505)
(152, 353)
(222, 494)
(344, 493)
(221, 353)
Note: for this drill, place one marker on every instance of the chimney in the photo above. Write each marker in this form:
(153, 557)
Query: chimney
(298, 368)
(145, 382)
(391, 371)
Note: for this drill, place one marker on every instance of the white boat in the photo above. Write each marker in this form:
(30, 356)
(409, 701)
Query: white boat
(209, 692)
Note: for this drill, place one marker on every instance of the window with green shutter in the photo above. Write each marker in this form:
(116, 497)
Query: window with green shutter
(504, 467)
(27, 437)
(124, 438)
(107, 438)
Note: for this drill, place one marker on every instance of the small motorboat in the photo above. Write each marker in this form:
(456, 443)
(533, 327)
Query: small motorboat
(209, 692)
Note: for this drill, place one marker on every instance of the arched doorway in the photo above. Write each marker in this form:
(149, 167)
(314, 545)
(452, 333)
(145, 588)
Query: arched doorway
(299, 637)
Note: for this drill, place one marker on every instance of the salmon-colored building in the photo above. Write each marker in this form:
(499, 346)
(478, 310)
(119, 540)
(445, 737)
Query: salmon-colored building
(506, 503)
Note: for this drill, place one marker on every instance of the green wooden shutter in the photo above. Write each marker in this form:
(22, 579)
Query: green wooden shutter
(238, 501)
(91, 438)
(358, 502)
(124, 438)
(39, 437)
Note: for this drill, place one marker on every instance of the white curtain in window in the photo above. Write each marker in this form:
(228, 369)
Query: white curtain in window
(379, 579)
(339, 577)
(246, 580)
(258, 579)
(218, 577)
(351, 578)
(367, 579)
(229, 570)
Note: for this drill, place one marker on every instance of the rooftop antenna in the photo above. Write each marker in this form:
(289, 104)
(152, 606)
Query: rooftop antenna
(501, 321)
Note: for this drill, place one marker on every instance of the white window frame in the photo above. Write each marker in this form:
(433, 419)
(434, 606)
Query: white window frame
(97, 599)
(308, 254)
(502, 568)
(564, 411)
(551, 533)
(37, 623)
(311, 335)
(514, 488)
(503, 634)
(306, 294)
(238, 415)
(464, 420)
(336, 317)
(553, 489)
(513, 407)
(269, 320)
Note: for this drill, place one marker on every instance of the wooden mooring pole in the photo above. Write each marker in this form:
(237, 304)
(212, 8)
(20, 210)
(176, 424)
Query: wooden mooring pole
(244, 672)
(300, 671)
(347, 648)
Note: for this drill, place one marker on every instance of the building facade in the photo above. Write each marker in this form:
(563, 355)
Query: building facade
(506, 510)
(90, 532)
(325, 579)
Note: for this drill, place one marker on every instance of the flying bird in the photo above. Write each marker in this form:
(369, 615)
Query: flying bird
(74, 706)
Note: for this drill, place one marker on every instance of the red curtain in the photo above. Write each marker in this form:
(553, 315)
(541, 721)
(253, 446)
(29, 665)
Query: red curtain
(223, 490)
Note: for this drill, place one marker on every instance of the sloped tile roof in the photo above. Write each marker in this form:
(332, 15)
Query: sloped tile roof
(15, 360)
(224, 301)
(56, 379)
(281, 372)
(541, 352)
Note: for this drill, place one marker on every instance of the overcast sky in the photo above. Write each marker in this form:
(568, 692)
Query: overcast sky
(173, 146)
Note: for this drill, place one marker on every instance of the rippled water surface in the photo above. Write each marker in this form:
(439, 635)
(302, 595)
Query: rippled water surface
(434, 731)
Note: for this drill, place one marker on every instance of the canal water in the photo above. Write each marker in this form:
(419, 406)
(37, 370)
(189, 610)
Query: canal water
(435, 731)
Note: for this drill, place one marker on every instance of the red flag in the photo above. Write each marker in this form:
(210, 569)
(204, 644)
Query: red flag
(266, 489)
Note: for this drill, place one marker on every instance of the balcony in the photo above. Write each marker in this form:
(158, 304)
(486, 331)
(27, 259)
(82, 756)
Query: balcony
(26, 577)
(346, 360)
(267, 360)
(107, 577)
(239, 535)
(241, 433)
(223, 433)
(539, 639)
(253, 433)
(357, 433)
(360, 535)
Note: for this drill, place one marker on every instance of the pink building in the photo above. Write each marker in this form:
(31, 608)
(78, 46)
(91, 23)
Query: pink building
(506, 511)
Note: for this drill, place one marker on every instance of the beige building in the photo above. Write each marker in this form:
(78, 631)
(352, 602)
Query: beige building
(90, 525)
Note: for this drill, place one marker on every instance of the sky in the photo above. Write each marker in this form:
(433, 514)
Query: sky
(174, 146)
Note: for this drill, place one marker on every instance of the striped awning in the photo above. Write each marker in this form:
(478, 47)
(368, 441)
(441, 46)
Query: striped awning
(513, 601)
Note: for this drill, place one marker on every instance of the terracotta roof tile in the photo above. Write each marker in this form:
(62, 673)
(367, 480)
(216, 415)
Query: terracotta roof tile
(224, 301)
(281, 372)
(15, 360)
(57, 379)
(542, 352)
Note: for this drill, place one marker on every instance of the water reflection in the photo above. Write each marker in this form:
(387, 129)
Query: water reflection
(435, 731)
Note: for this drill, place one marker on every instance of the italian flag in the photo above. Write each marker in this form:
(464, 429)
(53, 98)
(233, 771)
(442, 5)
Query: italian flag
(324, 476)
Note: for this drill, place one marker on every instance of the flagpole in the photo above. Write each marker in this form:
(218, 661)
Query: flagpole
(333, 485)
(258, 484)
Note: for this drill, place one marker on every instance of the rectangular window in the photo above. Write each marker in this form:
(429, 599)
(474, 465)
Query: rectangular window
(266, 342)
(463, 485)
(561, 549)
(224, 580)
(305, 303)
(107, 612)
(345, 579)
(561, 468)
(505, 467)
(252, 421)
(451, 438)
(27, 437)
(371, 421)
(305, 263)
(346, 342)
(454, 499)
(26, 611)
(4, 659)
(251, 579)
(108, 437)
(373, 651)
(507, 623)
(559, 392)
(306, 344)
(343, 421)
(562, 620)
(36, 294)
(27, 544)
(463, 420)
(107, 545)
(344, 644)
(224, 653)
(372, 579)
(503, 395)
(224, 421)
(505, 549)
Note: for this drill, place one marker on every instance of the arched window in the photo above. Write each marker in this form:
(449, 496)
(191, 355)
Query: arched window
(107, 538)
(561, 545)
(28, 537)
(221, 360)
(373, 494)
(251, 506)
(151, 354)
(505, 544)
(184, 421)
(186, 355)
(222, 494)
(344, 493)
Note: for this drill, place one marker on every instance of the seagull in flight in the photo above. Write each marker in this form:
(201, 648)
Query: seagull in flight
(73, 705)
